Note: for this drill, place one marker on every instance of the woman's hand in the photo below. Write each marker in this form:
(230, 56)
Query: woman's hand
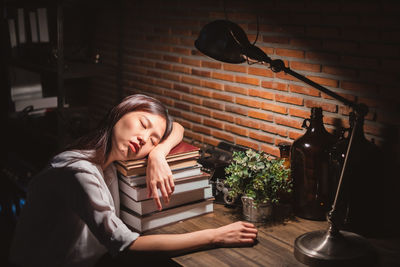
(238, 233)
(159, 175)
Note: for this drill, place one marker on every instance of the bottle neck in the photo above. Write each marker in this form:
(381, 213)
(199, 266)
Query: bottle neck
(316, 125)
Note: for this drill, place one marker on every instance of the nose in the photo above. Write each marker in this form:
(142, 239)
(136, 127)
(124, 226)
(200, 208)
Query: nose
(143, 139)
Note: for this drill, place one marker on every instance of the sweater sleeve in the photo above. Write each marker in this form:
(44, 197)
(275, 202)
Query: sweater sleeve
(89, 199)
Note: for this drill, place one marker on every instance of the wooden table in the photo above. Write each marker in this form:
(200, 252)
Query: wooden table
(274, 247)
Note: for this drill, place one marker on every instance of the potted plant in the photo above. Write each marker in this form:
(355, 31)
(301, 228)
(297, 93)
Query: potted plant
(259, 180)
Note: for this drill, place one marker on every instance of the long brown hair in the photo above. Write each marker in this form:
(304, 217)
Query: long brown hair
(100, 139)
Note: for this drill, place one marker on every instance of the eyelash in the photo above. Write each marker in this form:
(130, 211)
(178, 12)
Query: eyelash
(143, 125)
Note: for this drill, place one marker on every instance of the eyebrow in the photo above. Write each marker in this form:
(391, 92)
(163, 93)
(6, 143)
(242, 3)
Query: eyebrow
(151, 125)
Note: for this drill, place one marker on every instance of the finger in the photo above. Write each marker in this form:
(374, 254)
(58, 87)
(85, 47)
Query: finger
(251, 230)
(168, 188)
(156, 198)
(247, 241)
(248, 235)
(148, 188)
(172, 184)
(247, 224)
(164, 193)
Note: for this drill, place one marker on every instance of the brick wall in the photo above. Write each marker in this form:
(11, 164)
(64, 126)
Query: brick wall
(350, 47)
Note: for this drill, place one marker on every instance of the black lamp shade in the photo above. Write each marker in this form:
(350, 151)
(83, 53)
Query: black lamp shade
(216, 40)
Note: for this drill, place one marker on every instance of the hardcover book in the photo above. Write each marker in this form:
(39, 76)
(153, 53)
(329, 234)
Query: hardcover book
(165, 217)
(148, 206)
(135, 180)
(139, 193)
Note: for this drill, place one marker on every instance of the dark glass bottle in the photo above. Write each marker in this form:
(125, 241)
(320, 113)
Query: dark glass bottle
(361, 201)
(313, 186)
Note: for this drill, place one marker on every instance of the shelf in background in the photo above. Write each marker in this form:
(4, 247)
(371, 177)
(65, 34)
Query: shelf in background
(72, 70)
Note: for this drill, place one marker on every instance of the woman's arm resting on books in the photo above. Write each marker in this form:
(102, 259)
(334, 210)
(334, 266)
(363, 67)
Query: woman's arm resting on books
(158, 172)
(234, 234)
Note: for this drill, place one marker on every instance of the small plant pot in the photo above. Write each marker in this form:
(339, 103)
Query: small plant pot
(256, 213)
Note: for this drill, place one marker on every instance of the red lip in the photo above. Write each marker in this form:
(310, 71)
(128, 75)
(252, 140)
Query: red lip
(134, 147)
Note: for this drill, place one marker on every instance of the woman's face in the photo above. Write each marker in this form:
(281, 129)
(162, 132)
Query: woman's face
(136, 134)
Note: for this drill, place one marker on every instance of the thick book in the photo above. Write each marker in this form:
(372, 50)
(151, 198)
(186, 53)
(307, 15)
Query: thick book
(135, 180)
(148, 206)
(180, 152)
(142, 170)
(155, 220)
(139, 193)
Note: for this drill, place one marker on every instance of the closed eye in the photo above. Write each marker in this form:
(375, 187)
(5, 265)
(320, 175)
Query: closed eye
(143, 124)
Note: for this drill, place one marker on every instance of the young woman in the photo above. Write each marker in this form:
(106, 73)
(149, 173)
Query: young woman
(71, 214)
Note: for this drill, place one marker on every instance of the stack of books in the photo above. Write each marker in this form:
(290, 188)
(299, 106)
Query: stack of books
(192, 195)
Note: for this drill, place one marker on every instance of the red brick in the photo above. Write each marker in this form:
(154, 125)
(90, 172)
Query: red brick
(171, 58)
(194, 136)
(339, 71)
(303, 90)
(325, 106)
(267, 127)
(247, 143)
(347, 96)
(222, 96)
(201, 110)
(236, 109)
(269, 149)
(305, 66)
(322, 57)
(182, 69)
(289, 53)
(305, 42)
(261, 137)
(185, 124)
(192, 62)
(274, 85)
(282, 75)
(295, 135)
(202, 92)
(340, 46)
(324, 81)
(275, 39)
(201, 129)
(247, 122)
(172, 77)
(212, 65)
(235, 89)
(264, 72)
(289, 99)
(182, 106)
(274, 108)
(211, 141)
(213, 123)
(213, 104)
(260, 115)
(201, 73)
(233, 67)
(288, 122)
(317, 31)
(212, 85)
(248, 102)
(223, 76)
(267, 50)
(164, 84)
(299, 113)
(181, 50)
(247, 80)
(172, 94)
(191, 80)
(360, 87)
(235, 129)
(222, 116)
(182, 88)
(163, 66)
(223, 135)
(191, 117)
(192, 99)
(261, 93)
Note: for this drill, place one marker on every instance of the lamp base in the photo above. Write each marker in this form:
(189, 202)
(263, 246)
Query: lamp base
(334, 248)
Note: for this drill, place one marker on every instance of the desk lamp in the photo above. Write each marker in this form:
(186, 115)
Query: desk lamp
(226, 41)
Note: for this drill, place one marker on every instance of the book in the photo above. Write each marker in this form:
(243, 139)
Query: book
(142, 169)
(176, 173)
(139, 193)
(180, 152)
(148, 206)
(155, 220)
